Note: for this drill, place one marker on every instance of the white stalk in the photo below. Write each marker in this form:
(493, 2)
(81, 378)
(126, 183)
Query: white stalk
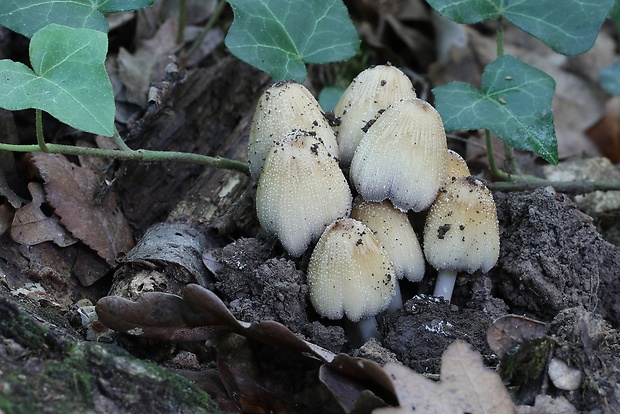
(397, 300)
(361, 331)
(445, 284)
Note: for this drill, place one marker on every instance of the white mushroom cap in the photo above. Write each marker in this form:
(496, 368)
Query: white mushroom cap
(402, 157)
(301, 191)
(461, 230)
(349, 273)
(369, 94)
(282, 108)
(456, 167)
(394, 232)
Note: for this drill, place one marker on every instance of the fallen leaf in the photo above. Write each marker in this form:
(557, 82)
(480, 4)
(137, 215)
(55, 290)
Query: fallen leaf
(465, 386)
(71, 192)
(605, 133)
(509, 331)
(200, 313)
(31, 226)
(147, 64)
(6, 217)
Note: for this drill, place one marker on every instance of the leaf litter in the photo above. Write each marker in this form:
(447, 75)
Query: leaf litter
(71, 191)
(465, 384)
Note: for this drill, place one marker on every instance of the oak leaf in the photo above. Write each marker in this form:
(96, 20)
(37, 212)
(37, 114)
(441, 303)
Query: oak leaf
(465, 386)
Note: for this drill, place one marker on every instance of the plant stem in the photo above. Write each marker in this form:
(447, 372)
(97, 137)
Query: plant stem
(500, 36)
(566, 187)
(497, 173)
(119, 141)
(39, 127)
(182, 21)
(136, 155)
(511, 162)
(216, 14)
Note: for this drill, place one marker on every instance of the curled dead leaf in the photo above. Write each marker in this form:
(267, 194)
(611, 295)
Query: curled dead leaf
(71, 192)
(465, 386)
(31, 226)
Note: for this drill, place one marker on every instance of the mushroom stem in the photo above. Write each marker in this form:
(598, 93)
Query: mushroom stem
(361, 331)
(397, 300)
(445, 284)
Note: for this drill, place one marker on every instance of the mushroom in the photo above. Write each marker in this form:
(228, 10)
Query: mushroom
(284, 107)
(402, 157)
(301, 191)
(456, 167)
(394, 232)
(461, 232)
(368, 95)
(350, 275)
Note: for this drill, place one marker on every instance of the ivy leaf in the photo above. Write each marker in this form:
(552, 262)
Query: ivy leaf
(278, 36)
(569, 27)
(69, 80)
(514, 103)
(329, 97)
(28, 16)
(609, 78)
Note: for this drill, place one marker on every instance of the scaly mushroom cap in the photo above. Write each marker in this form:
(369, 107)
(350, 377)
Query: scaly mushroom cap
(284, 107)
(301, 191)
(394, 232)
(349, 272)
(456, 167)
(368, 95)
(402, 157)
(461, 230)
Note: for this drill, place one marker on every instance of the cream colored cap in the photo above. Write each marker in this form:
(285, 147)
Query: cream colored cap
(301, 191)
(349, 273)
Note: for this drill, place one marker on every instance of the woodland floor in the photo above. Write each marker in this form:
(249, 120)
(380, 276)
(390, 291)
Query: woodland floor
(557, 278)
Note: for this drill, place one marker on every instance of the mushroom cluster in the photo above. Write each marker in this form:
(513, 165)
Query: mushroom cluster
(392, 147)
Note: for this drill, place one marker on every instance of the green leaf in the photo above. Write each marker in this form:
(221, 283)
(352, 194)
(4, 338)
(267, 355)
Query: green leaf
(278, 36)
(569, 27)
(329, 97)
(515, 103)
(609, 78)
(28, 16)
(69, 80)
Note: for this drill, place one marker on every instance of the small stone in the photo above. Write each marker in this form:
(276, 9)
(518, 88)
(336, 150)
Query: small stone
(564, 377)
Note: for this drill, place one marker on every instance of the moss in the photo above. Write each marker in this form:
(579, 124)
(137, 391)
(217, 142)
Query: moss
(70, 384)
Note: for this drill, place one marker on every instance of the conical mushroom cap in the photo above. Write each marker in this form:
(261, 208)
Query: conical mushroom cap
(461, 230)
(369, 94)
(456, 167)
(349, 273)
(282, 108)
(394, 232)
(301, 191)
(402, 157)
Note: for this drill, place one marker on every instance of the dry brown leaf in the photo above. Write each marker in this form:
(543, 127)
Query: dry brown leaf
(70, 191)
(605, 133)
(6, 217)
(147, 64)
(31, 226)
(465, 386)
(509, 331)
